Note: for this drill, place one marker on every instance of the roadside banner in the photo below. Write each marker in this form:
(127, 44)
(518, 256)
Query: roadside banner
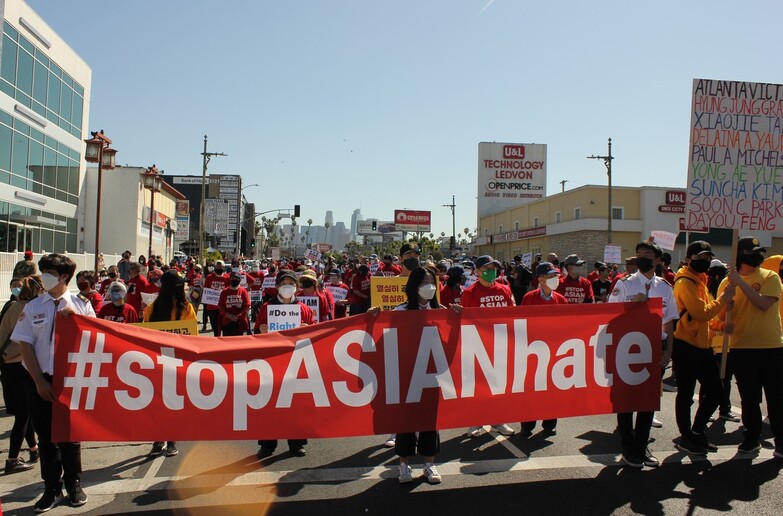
(396, 371)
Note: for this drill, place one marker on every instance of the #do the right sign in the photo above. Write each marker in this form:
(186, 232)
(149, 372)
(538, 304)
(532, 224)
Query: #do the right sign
(735, 177)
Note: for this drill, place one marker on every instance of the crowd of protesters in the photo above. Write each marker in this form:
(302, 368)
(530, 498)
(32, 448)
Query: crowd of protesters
(696, 296)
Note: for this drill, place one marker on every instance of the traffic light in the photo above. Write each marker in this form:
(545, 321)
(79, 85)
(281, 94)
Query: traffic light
(374, 225)
(296, 210)
(253, 242)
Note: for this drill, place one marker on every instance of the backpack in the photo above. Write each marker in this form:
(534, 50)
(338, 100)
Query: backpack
(684, 310)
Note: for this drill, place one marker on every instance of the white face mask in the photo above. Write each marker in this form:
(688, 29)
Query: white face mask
(553, 283)
(50, 281)
(427, 291)
(287, 291)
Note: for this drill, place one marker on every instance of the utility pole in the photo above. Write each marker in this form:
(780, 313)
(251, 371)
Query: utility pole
(562, 185)
(608, 163)
(207, 156)
(453, 205)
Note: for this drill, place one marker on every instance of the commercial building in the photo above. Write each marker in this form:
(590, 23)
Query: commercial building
(44, 106)
(576, 221)
(126, 212)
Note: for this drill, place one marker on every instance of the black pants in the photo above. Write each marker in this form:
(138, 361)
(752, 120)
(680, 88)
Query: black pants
(634, 437)
(57, 459)
(547, 424)
(692, 364)
(757, 370)
(12, 377)
(231, 330)
(214, 316)
(428, 444)
(293, 444)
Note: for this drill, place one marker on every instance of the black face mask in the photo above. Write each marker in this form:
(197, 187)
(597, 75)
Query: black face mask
(754, 260)
(219, 271)
(555, 262)
(700, 266)
(235, 283)
(307, 284)
(644, 264)
(410, 263)
(112, 275)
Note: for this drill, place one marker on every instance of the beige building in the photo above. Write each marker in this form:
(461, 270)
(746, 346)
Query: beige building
(575, 221)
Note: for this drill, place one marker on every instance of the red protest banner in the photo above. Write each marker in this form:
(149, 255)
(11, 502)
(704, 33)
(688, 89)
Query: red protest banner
(397, 372)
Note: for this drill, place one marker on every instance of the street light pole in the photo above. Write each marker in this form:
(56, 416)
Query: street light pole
(608, 163)
(99, 151)
(207, 156)
(152, 182)
(453, 243)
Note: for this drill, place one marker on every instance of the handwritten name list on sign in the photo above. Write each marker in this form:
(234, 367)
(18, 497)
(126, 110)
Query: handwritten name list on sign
(735, 175)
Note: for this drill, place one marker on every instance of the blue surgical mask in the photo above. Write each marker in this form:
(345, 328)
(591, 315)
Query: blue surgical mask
(16, 291)
(117, 295)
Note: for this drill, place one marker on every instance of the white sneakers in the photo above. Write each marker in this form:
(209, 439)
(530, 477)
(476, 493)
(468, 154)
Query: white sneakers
(504, 429)
(430, 473)
(406, 475)
(391, 441)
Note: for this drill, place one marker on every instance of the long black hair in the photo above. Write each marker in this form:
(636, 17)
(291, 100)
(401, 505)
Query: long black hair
(414, 282)
(170, 297)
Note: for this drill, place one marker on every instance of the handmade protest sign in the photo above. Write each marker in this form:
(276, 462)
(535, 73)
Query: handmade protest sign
(735, 173)
(283, 317)
(313, 303)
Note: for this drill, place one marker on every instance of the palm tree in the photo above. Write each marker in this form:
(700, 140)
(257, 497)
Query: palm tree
(309, 223)
(327, 226)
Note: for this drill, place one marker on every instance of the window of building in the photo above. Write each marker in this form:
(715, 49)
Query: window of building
(500, 229)
(486, 232)
(535, 222)
(557, 217)
(516, 226)
(577, 213)
(617, 213)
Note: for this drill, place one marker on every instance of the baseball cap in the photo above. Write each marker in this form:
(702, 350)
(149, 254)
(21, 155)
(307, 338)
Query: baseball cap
(699, 247)
(285, 273)
(28, 254)
(409, 246)
(481, 261)
(573, 259)
(219, 263)
(750, 244)
(545, 269)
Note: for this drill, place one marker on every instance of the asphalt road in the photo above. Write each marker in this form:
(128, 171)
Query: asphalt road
(575, 472)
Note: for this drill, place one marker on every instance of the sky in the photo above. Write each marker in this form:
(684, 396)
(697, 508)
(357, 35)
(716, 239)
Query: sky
(380, 105)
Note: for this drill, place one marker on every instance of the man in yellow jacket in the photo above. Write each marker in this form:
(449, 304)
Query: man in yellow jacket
(692, 358)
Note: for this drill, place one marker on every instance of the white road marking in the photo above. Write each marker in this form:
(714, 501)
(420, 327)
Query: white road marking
(374, 473)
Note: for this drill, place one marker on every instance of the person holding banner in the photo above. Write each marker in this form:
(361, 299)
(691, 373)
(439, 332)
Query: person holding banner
(487, 292)
(233, 307)
(546, 294)
(60, 462)
(638, 287)
(285, 283)
(170, 305)
(756, 341)
(420, 291)
(692, 357)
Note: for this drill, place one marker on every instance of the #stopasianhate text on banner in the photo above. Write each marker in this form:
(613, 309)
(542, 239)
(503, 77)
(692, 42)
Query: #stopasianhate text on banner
(394, 372)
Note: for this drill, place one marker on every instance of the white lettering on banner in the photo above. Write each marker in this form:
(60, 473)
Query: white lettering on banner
(210, 296)
(144, 377)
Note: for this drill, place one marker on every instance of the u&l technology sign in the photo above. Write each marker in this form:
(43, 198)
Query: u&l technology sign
(510, 175)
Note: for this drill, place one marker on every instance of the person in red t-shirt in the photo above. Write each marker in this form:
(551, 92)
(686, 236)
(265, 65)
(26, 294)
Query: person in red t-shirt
(85, 281)
(667, 272)
(116, 309)
(309, 287)
(574, 287)
(630, 268)
(136, 285)
(451, 290)
(360, 290)
(112, 277)
(487, 292)
(548, 280)
(596, 272)
(218, 280)
(339, 292)
(233, 307)
(388, 268)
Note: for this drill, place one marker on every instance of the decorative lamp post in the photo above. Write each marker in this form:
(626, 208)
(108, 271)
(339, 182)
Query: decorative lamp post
(152, 182)
(99, 151)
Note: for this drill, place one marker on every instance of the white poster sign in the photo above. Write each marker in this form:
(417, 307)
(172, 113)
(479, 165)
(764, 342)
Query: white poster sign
(664, 239)
(283, 317)
(210, 296)
(613, 254)
(338, 293)
(527, 259)
(269, 282)
(510, 175)
(312, 254)
(470, 280)
(255, 295)
(313, 303)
